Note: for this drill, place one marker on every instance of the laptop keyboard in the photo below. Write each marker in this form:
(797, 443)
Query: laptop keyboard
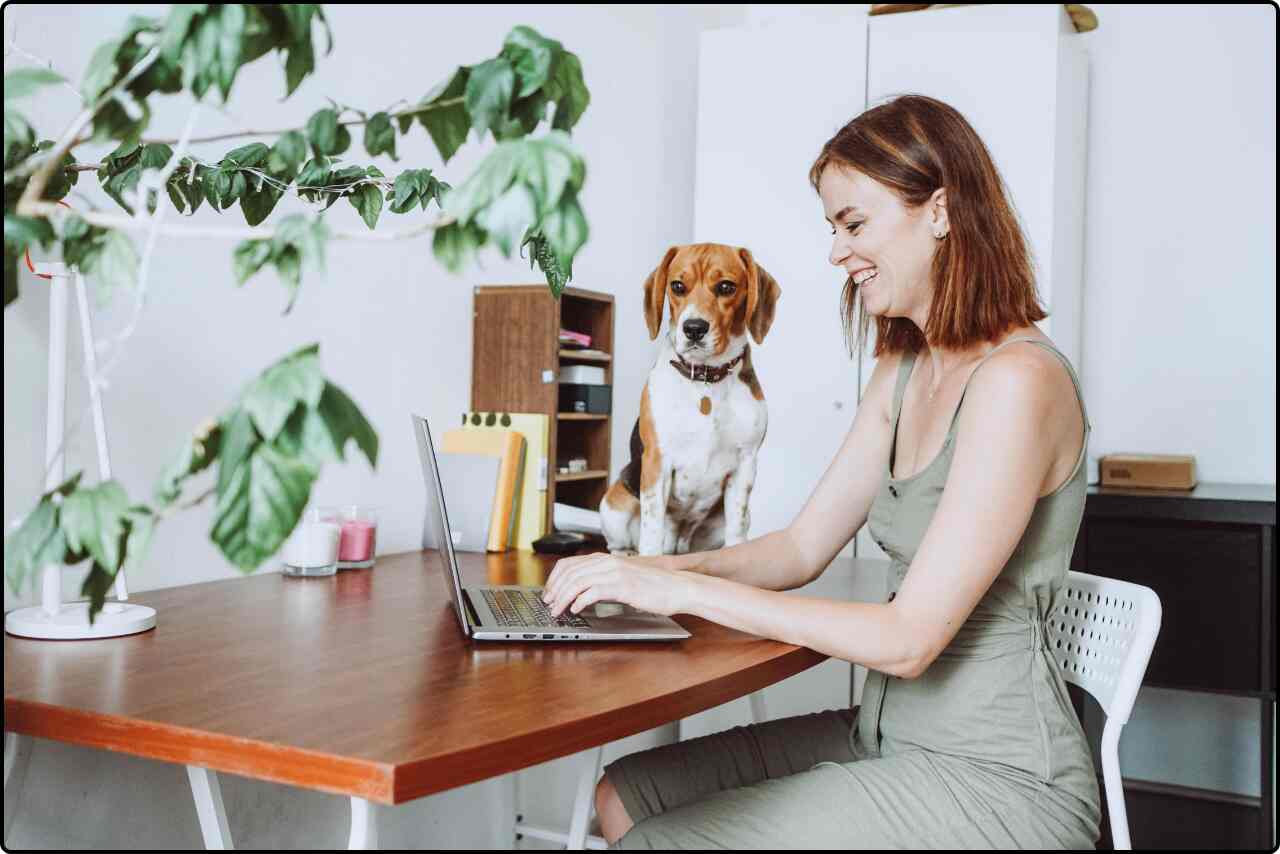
(522, 608)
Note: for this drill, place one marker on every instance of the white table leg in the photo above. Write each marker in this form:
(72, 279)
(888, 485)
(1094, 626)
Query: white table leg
(213, 816)
(364, 826)
(757, 708)
(17, 758)
(582, 804)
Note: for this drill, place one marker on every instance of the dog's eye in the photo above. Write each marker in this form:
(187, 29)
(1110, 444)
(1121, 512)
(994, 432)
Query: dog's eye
(726, 288)
(677, 287)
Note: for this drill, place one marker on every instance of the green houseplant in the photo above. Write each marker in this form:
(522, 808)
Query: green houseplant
(263, 452)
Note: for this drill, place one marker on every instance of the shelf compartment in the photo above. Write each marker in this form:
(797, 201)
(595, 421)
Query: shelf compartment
(578, 356)
(589, 474)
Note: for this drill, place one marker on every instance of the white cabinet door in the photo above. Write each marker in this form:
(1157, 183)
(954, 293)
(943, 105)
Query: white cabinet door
(1019, 75)
(768, 98)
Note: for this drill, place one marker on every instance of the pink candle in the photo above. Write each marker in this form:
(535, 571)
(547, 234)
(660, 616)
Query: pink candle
(357, 540)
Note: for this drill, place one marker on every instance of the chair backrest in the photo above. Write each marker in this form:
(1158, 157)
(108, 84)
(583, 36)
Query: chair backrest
(1101, 633)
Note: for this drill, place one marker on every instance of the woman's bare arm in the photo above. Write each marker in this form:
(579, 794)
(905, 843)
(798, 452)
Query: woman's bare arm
(1001, 460)
(837, 508)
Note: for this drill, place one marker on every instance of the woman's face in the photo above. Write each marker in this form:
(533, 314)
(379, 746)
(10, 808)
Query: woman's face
(886, 248)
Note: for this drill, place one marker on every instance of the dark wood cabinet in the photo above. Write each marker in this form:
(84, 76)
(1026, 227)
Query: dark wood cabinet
(1209, 555)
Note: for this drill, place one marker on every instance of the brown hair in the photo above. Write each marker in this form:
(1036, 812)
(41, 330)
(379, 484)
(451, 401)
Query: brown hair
(982, 272)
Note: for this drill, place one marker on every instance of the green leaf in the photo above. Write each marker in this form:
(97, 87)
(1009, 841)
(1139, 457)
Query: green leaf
(508, 216)
(25, 82)
(196, 455)
(448, 126)
(21, 232)
(260, 504)
(239, 438)
(406, 190)
(115, 266)
(380, 136)
(489, 180)
(249, 258)
(258, 204)
(293, 380)
(232, 25)
(102, 71)
(343, 421)
(367, 199)
(565, 229)
(488, 93)
(456, 243)
(301, 62)
(322, 131)
(573, 97)
(531, 55)
(177, 27)
(96, 586)
(292, 148)
(252, 155)
(36, 543)
(92, 520)
(141, 524)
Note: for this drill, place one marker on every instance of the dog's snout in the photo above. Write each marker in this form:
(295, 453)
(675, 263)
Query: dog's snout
(695, 328)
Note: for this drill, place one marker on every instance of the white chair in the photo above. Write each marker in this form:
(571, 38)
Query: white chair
(1101, 633)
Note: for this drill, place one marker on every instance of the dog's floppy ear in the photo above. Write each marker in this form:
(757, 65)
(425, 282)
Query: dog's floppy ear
(762, 296)
(655, 294)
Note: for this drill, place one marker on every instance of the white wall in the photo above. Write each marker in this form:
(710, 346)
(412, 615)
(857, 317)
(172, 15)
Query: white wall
(395, 332)
(1179, 319)
(1180, 237)
(1180, 299)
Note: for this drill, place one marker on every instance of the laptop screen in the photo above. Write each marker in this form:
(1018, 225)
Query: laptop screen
(438, 518)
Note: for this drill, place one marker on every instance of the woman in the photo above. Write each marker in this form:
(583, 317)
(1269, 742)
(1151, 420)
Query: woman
(966, 460)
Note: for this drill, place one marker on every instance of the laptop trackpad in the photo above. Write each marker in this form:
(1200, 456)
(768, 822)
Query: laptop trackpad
(608, 609)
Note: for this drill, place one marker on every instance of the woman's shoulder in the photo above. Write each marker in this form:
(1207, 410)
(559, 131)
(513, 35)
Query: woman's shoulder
(1026, 378)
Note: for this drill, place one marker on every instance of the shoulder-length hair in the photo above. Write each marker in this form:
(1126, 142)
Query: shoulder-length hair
(982, 273)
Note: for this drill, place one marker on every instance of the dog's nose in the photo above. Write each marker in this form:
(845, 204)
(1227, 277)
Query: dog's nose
(694, 329)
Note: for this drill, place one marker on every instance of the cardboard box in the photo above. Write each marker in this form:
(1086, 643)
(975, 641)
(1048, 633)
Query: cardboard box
(1149, 471)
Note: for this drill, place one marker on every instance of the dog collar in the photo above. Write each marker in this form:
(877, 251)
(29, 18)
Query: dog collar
(705, 373)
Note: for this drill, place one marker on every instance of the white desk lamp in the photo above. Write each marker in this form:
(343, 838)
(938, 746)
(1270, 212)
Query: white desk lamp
(53, 618)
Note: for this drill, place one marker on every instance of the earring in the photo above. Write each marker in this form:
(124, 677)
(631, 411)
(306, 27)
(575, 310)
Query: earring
(940, 235)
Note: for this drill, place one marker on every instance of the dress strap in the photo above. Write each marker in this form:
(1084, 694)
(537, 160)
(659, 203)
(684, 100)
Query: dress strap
(904, 372)
(1075, 380)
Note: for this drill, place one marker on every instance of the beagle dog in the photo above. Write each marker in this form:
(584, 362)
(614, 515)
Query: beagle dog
(702, 411)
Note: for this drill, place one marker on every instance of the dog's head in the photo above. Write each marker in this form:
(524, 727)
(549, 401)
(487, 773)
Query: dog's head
(717, 294)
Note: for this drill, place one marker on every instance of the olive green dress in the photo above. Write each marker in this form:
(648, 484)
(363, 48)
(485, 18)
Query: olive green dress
(983, 750)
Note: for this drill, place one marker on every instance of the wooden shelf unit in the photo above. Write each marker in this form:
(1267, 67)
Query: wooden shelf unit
(515, 341)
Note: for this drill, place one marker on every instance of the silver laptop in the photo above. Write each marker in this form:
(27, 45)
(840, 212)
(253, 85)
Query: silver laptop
(513, 612)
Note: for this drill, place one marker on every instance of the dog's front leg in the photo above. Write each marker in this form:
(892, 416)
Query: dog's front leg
(655, 489)
(737, 497)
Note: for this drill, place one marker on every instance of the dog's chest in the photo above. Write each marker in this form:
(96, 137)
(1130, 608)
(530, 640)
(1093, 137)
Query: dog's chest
(703, 449)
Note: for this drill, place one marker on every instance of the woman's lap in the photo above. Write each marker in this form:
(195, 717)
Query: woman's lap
(796, 783)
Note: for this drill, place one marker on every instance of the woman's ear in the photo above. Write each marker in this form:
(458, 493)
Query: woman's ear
(655, 294)
(762, 296)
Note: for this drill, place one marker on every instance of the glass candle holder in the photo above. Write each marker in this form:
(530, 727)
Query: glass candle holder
(312, 548)
(358, 526)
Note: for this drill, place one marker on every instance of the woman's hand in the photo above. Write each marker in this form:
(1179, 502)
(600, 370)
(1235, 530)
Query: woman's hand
(577, 582)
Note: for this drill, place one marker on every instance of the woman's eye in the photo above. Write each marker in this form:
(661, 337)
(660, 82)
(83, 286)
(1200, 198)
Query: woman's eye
(852, 227)
(725, 289)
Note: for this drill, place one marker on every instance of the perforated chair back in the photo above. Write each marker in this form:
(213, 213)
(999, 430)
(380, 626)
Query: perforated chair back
(1101, 633)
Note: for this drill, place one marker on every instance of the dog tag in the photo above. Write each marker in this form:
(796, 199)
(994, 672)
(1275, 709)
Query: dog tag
(705, 406)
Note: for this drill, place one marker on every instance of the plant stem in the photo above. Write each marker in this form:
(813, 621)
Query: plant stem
(437, 105)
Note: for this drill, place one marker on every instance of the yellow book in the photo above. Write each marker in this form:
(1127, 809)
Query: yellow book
(531, 520)
(510, 446)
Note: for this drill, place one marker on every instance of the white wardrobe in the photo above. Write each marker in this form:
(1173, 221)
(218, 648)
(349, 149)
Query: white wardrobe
(769, 95)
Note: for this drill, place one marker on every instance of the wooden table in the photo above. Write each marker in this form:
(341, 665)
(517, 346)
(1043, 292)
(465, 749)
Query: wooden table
(363, 685)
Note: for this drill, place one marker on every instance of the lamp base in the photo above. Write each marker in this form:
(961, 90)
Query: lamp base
(72, 621)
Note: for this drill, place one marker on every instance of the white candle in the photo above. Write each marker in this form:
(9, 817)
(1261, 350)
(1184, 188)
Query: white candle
(313, 544)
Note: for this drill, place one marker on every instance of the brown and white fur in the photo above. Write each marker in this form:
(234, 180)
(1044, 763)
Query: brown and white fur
(691, 474)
